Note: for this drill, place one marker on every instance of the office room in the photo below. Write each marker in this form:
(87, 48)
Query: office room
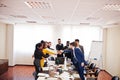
(59, 39)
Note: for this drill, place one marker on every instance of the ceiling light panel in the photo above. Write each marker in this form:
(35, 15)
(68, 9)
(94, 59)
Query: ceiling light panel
(38, 4)
(112, 7)
(18, 16)
(84, 23)
(31, 21)
(48, 17)
(92, 18)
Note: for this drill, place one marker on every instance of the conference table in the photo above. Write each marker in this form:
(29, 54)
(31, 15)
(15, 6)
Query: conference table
(58, 72)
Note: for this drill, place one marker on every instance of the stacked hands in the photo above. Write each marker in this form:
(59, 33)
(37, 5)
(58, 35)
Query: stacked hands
(60, 51)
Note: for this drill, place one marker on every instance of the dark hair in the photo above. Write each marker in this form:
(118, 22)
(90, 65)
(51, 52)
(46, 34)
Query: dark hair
(68, 41)
(38, 45)
(42, 41)
(59, 39)
(44, 44)
(77, 40)
(72, 43)
(49, 42)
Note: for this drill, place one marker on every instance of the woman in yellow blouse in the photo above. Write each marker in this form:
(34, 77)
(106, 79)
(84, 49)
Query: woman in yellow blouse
(45, 51)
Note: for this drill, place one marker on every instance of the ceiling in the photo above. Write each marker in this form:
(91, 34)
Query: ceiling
(73, 12)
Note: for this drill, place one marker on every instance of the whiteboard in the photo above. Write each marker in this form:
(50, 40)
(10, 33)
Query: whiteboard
(95, 55)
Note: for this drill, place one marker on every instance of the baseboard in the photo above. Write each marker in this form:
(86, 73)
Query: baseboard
(23, 65)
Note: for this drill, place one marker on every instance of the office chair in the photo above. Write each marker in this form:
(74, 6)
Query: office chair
(92, 66)
(97, 72)
(115, 78)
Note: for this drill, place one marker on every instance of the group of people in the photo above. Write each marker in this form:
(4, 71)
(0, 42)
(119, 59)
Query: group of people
(75, 52)
(42, 51)
(72, 50)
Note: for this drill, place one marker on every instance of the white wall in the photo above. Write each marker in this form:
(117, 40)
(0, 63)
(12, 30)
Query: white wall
(112, 52)
(3, 54)
(17, 42)
(6, 43)
(27, 35)
(25, 38)
(104, 47)
(9, 44)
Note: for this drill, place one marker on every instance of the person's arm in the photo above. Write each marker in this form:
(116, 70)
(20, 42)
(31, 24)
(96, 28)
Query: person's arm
(51, 48)
(57, 47)
(48, 51)
(62, 47)
(67, 51)
(45, 55)
(33, 56)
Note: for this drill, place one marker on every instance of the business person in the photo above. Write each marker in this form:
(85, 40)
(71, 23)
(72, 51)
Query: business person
(49, 45)
(59, 47)
(78, 59)
(66, 50)
(38, 55)
(67, 45)
(78, 45)
(45, 51)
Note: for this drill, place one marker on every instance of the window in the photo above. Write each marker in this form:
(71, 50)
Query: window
(27, 35)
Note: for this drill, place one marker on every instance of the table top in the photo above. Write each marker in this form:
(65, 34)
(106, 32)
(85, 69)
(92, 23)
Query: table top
(58, 72)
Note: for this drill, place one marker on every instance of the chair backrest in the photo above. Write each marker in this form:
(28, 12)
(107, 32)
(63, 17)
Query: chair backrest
(97, 72)
(104, 75)
(59, 60)
(115, 78)
(92, 66)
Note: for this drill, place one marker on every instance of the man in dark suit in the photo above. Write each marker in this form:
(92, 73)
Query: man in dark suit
(78, 60)
(79, 46)
(59, 47)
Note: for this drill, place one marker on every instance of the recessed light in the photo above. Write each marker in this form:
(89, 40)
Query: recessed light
(48, 17)
(84, 23)
(50, 22)
(18, 16)
(31, 21)
(113, 24)
(114, 7)
(38, 4)
(92, 18)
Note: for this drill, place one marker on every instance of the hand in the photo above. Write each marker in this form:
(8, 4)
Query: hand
(61, 51)
(82, 64)
(47, 55)
(32, 56)
(58, 52)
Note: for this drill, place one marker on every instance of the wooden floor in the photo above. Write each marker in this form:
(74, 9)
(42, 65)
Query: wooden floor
(18, 73)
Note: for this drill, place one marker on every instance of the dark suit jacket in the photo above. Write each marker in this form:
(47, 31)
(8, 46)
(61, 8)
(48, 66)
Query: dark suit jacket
(82, 49)
(79, 55)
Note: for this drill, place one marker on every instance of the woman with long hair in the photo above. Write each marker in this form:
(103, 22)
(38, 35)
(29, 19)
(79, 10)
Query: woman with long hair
(38, 55)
